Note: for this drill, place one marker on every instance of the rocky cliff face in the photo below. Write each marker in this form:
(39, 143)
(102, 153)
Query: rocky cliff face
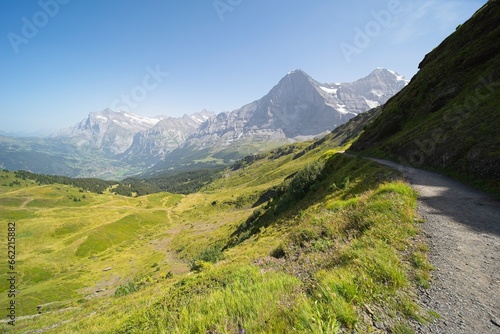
(372, 91)
(109, 131)
(167, 135)
(298, 107)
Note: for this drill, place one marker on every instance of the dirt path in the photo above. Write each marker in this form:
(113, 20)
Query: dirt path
(462, 227)
(26, 201)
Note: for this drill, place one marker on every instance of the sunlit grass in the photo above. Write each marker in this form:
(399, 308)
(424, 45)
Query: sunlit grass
(345, 244)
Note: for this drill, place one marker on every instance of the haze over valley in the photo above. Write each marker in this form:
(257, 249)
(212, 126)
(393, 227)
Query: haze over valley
(250, 167)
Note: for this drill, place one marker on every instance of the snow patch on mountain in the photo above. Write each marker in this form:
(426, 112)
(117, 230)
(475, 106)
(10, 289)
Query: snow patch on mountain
(372, 104)
(331, 91)
(297, 108)
(141, 119)
(398, 77)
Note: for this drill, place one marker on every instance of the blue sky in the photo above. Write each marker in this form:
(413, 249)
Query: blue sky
(61, 59)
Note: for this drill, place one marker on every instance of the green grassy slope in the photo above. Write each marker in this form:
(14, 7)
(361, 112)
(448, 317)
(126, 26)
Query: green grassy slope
(298, 239)
(448, 117)
(65, 238)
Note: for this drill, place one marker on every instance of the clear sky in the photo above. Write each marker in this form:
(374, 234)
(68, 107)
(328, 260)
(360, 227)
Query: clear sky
(61, 59)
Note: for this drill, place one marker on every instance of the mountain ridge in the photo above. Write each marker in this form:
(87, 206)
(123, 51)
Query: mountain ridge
(108, 130)
(297, 108)
(285, 110)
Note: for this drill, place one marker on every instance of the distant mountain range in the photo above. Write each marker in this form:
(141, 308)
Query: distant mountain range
(297, 108)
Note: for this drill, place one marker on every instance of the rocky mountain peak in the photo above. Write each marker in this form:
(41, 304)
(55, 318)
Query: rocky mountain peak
(296, 108)
(383, 74)
(298, 73)
(296, 79)
(108, 130)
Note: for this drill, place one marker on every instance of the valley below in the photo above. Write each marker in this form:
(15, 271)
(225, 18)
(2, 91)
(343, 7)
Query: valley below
(310, 232)
(369, 206)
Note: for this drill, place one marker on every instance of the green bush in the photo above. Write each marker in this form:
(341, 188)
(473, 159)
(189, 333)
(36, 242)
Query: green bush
(126, 289)
(130, 287)
(305, 178)
(211, 254)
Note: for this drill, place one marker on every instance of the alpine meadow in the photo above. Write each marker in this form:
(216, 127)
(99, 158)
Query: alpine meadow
(276, 217)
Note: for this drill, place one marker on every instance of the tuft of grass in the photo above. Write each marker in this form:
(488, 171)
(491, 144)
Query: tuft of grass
(207, 256)
(422, 267)
(402, 329)
(223, 300)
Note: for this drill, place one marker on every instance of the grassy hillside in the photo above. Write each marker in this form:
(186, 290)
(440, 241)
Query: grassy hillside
(298, 239)
(448, 117)
(301, 238)
(66, 238)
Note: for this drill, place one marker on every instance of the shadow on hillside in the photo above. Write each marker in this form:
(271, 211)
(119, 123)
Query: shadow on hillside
(462, 203)
(465, 205)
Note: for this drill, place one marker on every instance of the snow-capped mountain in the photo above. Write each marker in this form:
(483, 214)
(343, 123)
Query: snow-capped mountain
(165, 136)
(298, 107)
(363, 94)
(108, 130)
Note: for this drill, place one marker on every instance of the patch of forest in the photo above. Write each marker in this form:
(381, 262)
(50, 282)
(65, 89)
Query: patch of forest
(177, 183)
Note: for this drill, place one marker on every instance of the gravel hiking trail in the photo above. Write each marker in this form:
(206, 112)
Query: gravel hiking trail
(462, 229)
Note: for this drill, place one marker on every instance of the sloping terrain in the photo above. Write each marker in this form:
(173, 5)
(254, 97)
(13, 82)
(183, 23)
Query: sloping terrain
(116, 144)
(448, 117)
(463, 234)
(300, 237)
